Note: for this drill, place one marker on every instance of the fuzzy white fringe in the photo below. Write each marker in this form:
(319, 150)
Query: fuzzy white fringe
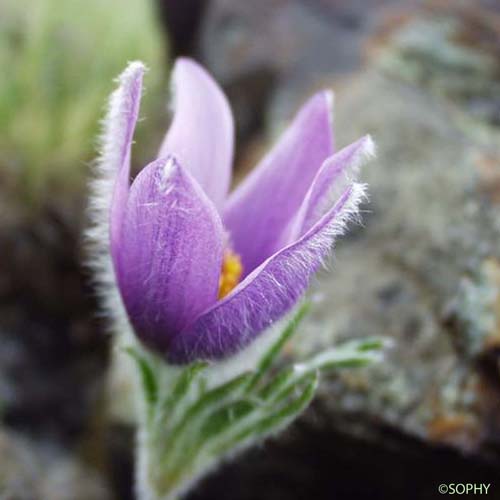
(112, 144)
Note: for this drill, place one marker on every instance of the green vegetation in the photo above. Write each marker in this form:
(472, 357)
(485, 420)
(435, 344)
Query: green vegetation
(59, 59)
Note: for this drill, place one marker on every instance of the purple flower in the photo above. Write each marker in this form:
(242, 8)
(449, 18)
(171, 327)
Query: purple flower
(201, 273)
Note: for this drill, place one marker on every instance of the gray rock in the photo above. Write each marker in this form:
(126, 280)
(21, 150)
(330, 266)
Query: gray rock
(424, 271)
(35, 471)
(259, 48)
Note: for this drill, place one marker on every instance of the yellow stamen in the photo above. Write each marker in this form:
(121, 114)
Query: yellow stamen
(230, 275)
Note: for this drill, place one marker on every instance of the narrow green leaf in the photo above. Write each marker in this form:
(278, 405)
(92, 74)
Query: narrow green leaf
(277, 383)
(371, 344)
(270, 423)
(186, 432)
(353, 354)
(269, 357)
(178, 396)
(240, 423)
(148, 379)
(183, 384)
(223, 418)
(217, 396)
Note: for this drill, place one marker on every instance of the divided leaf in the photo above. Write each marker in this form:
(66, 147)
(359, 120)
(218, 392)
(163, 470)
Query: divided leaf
(192, 427)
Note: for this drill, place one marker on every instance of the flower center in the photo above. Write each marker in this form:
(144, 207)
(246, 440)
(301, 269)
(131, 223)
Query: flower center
(231, 272)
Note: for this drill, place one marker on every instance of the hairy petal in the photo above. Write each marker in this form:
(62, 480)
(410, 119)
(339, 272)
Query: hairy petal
(170, 254)
(129, 96)
(262, 206)
(201, 135)
(267, 293)
(336, 173)
(111, 185)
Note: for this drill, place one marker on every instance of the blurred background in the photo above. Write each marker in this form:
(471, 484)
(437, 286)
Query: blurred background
(423, 78)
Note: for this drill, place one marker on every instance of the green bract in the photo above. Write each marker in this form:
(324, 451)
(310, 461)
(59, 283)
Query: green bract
(188, 423)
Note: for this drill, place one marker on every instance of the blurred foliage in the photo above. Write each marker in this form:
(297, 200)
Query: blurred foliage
(59, 59)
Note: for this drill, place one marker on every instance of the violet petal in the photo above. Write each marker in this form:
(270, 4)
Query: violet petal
(125, 110)
(171, 252)
(336, 173)
(262, 206)
(267, 293)
(201, 135)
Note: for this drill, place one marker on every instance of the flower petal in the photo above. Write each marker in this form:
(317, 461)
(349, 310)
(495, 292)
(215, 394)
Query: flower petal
(267, 293)
(336, 173)
(201, 135)
(111, 187)
(124, 110)
(262, 206)
(170, 254)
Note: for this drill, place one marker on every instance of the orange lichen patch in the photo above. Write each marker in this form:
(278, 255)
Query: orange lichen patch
(479, 30)
(488, 167)
(455, 427)
(387, 26)
(357, 382)
(491, 272)
(230, 276)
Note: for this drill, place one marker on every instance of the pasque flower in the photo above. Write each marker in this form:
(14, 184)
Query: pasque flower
(201, 272)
